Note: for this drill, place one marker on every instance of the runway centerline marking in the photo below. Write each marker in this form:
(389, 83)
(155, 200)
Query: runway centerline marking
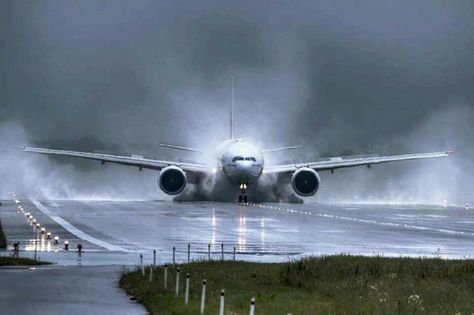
(74, 230)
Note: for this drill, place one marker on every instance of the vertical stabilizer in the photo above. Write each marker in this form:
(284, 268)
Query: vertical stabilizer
(232, 135)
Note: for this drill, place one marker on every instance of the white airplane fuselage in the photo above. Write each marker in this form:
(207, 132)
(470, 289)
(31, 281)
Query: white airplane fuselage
(241, 162)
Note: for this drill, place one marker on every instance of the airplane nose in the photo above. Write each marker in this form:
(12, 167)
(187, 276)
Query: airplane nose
(241, 172)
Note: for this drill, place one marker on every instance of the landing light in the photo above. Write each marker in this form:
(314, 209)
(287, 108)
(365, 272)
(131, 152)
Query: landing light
(214, 170)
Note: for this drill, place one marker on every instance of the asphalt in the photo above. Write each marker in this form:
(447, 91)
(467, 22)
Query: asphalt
(64, 290)
(116, 233)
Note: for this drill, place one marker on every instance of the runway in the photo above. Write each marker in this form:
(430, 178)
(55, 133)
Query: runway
(117, 232)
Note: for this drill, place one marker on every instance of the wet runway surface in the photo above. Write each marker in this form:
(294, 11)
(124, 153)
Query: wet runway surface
(61, 290)
(115, 233)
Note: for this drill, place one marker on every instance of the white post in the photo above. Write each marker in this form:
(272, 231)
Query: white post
(150, 275)
(203, 295)
(221, 305)
(208, 251)
(186, 294)
(141, 265)
(252, 306)
(165, 277)
(189, 252)
(177, 282)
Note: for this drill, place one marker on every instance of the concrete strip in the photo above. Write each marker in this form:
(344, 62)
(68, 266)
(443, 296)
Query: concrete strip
(65, 290)
(73, 230)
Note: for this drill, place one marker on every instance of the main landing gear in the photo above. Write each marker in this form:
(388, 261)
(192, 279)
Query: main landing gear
(243, 193)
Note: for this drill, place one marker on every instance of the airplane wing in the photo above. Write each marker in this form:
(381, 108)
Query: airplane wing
(133, 160)
(339, 162)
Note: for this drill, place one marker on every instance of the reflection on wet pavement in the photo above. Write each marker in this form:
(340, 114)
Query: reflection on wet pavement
(258, 232)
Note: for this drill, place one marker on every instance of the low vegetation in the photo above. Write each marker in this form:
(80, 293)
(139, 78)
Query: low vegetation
(13, 261)
(325, 285)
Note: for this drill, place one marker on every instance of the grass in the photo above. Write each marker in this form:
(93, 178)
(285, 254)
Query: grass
(3, 240)
(325, 285)
(12, 261)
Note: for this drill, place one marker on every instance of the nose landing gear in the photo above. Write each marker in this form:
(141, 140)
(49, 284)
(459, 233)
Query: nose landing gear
(243, 193)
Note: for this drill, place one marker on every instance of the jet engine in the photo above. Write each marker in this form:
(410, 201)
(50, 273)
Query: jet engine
(305, 181)
(172, 180)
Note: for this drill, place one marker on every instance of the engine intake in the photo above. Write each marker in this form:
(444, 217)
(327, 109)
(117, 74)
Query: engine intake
(305, 181)
(172, 180)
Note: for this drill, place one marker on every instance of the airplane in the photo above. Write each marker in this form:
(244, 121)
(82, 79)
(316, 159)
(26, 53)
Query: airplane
(239, 172)
(239, 169)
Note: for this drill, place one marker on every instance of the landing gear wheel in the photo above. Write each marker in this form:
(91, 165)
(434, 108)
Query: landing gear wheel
(240, 199)
(245, 199)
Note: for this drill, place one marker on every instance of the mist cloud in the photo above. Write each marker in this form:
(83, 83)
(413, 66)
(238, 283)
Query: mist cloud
(121, 76)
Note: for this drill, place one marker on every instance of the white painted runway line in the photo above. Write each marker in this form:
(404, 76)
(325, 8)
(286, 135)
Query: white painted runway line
(370, 221)
(73, 230)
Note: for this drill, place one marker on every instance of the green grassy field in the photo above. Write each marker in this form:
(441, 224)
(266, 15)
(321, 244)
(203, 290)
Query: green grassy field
(326, 285)
(3, 240)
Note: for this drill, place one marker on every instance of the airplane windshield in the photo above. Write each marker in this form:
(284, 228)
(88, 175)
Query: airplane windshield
(240, 158)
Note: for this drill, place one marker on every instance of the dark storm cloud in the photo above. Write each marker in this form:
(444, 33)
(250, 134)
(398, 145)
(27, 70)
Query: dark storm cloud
(339, 77)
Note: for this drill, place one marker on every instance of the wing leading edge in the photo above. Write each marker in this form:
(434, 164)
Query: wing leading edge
(137, 161)
(339, 162)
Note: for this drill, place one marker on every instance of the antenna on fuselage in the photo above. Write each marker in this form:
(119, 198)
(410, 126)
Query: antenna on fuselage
(232, 134)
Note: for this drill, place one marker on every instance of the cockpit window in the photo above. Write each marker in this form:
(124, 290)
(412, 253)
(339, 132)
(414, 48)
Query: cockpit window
(240, 158)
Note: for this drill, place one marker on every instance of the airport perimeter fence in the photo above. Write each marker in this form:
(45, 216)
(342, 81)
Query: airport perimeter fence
(177, 282)
(153, 268)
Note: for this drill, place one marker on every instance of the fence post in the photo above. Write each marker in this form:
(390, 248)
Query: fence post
(174, 255)
(150, 275)
(252, 306)
(189, 252)
(208, 251)
(154, 258)
(203, 295)
(186, 293)
(234, 253)
(141, 265)
(165, 277)
(222, 251)
(177, 282)
(221, 304)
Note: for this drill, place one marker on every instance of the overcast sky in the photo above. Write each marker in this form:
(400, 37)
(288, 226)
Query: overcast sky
(336, 76)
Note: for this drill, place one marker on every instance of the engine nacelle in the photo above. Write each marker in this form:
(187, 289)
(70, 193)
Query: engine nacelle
(305, 182)
(172, 180)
